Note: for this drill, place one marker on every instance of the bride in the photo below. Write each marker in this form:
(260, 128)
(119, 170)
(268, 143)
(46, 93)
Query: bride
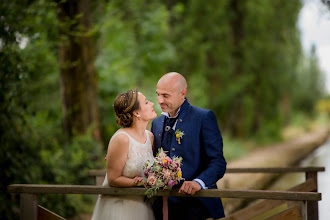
(129, 148)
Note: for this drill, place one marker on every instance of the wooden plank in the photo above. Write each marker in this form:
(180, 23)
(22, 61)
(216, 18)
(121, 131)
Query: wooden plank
(246, 170)
(289, 214)
(301, 205)
(266, 205)
(29, 206)
(254, 210)
(307, 186)
(223, 193)
(45, 214)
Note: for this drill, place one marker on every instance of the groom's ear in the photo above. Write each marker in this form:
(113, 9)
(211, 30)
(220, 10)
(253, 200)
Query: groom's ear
(184, 92)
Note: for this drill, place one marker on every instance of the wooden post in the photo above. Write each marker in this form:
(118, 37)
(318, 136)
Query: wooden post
(165, 207)
(99, 180)
(312, 206)
(29, 207)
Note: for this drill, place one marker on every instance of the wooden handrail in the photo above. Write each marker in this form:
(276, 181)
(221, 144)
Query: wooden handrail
(29, 198)
(223, 193)
(102, 172)
(307, 201)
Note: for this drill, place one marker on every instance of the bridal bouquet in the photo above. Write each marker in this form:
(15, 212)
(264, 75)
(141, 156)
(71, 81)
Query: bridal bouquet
(162, 172)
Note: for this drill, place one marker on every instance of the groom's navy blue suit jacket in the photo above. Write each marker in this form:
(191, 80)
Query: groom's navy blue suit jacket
(201, 149)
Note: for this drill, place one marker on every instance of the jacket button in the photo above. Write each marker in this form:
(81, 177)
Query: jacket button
(180, 120)
(173, 149)
(159, 135)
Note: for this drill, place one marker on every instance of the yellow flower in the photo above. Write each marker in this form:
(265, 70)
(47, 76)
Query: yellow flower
(164, 160)
(177, 136)
(179, 174)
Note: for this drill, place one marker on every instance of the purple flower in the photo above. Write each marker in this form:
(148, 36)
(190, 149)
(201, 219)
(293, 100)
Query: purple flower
(171, 183)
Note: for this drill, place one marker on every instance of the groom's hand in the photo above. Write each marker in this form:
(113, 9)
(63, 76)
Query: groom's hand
(189, 187)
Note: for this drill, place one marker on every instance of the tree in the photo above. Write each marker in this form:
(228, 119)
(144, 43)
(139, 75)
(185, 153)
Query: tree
(77, 71)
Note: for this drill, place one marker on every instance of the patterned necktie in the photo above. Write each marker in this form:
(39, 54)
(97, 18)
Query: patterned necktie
(168, 133)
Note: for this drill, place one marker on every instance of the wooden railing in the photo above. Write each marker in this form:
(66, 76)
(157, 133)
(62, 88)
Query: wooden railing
(301, 204)
(310, 185)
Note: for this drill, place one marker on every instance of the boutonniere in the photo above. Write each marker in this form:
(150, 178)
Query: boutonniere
(178, 135)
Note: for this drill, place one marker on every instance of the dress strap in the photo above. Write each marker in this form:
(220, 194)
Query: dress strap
(148, 138)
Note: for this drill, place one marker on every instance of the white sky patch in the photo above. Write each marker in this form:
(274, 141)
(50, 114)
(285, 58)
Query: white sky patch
(314, 24)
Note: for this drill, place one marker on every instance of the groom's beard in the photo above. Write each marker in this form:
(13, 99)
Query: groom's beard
(164, 107)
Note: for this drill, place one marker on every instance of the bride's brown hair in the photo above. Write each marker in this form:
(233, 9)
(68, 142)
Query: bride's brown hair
(125, 104)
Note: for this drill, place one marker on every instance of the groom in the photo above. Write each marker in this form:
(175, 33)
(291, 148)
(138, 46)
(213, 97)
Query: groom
(192, 133)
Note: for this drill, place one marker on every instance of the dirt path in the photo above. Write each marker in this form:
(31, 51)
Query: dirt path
(279, 155)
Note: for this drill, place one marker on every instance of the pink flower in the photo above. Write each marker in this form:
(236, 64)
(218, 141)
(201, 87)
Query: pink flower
(171, 183)
(162, 155)
(152, 180)
(165, 163)
(166, 173)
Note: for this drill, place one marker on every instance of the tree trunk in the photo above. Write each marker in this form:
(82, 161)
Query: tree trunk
(78, 75)
(234, 122)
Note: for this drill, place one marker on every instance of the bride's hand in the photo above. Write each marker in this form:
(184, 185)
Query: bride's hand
(138, 180)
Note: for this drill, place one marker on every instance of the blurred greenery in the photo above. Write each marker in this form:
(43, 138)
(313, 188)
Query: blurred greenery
(242, 59)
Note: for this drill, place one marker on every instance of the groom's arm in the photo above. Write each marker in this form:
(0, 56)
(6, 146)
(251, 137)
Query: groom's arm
(213, 148)
(216, 163)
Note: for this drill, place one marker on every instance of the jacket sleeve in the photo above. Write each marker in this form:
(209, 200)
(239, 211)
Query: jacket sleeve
(154, 130)
(213, 151)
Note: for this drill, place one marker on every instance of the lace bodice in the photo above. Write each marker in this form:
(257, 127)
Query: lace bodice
(138, 155)
(127, 207)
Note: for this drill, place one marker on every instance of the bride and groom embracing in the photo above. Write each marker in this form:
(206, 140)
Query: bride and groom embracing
(132, 146)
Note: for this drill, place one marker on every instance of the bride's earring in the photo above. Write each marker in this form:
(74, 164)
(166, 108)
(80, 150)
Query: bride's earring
(138, 116)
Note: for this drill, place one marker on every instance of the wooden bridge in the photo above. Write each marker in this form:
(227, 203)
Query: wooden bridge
(300, 202)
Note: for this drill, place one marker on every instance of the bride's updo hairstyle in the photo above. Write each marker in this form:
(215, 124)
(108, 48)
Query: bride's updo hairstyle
(125, 104)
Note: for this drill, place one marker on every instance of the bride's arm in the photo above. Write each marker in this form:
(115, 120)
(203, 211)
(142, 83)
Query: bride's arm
(116, 159)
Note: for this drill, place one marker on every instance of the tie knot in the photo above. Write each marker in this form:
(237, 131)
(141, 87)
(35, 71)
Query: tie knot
(169, 123)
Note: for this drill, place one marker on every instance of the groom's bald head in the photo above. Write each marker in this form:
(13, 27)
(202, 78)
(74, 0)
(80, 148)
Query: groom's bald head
(174, 80)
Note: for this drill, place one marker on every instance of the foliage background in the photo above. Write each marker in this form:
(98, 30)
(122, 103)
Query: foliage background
(242, 59)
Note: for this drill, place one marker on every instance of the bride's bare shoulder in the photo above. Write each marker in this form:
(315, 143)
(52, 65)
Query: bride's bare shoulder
(120, 137)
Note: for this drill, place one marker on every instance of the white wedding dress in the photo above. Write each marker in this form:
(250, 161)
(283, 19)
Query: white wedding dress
(127, 207)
